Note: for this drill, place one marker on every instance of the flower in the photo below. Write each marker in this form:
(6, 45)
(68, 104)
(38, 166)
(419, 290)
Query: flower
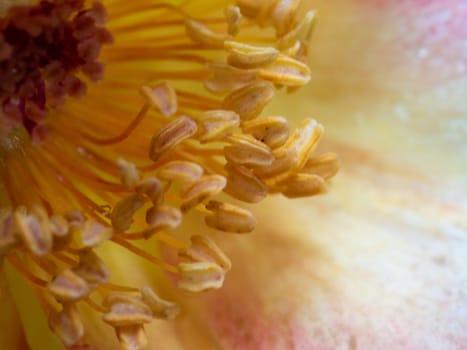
(109, 159)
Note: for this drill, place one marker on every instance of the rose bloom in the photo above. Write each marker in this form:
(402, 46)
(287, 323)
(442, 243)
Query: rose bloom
(165, 185)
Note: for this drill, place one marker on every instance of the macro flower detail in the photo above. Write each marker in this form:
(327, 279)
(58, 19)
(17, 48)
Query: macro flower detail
(175, 128)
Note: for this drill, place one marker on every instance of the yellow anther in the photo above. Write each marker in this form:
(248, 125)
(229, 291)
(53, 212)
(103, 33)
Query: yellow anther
(171, 135)
(272, 130)
(122, 213)
(325, 165)
(200, 276)
(68, 286)
(215, 123)
(244, 185)
(127, 311)
(248, 56)
(204, 249)
(225, 78)
(67, 324)
(181, 170)
(92, 233)
(283, 14)
(201, 190)
(301, 33)
(151, 188)
(249, 100)
(286, 71)
(33, 231)
(132, 337)
(294, 153)
(234, 19)
(162, 97)
(161, 309)
(129, 175)
(302, 185)
(229, 218)
(201, 34)
(91, 268)
(248, 151)
(58, 226)
(163, 217)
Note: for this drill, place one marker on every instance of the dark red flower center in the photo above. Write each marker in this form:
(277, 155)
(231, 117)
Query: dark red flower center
(46, 50)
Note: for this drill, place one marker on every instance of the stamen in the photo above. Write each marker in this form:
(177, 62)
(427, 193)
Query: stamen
(67, 324)
(246, 150)
(215, 123)
(145, 255)
(162, 97)
(247, 56)
(249, 101)
(124, 134)
(170, 135)
(203, 35)
(200, 276)
(201, 190)
(122, 213)
(229, 218)
(160, 308)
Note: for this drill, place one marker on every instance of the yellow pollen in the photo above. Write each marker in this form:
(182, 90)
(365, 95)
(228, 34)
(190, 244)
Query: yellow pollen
(174, 130)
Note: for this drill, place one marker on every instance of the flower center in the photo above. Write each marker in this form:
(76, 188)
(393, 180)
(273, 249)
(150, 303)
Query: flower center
(46, 52)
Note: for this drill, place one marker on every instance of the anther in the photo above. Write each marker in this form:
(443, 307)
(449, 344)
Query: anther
(325, 165)
(122, 213)
(200, 276)
(229, 218)
(302, 185)
(171, 135)
(58, 226)
(215, 123)
(68, 286)
(163, 217)
(132, 337)
(204, 249)
(35, 234)
(92, 233)
(249, 101)
(234, 19)
(67, 324)
(246, 150)
(286, 71)
(272, 130)
(161, 309)
(127, 311)
(151, 188)
(294, 153)
(302, 32)
(91, 268)
(201, 34)
(244, 185)
(225, 78)
(181, 170)
(283, 14)
(129, 175)
(162, 97)
(201, 190)
(248, 56)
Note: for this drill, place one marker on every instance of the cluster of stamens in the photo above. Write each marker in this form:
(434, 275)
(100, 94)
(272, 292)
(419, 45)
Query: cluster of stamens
(199, 159)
